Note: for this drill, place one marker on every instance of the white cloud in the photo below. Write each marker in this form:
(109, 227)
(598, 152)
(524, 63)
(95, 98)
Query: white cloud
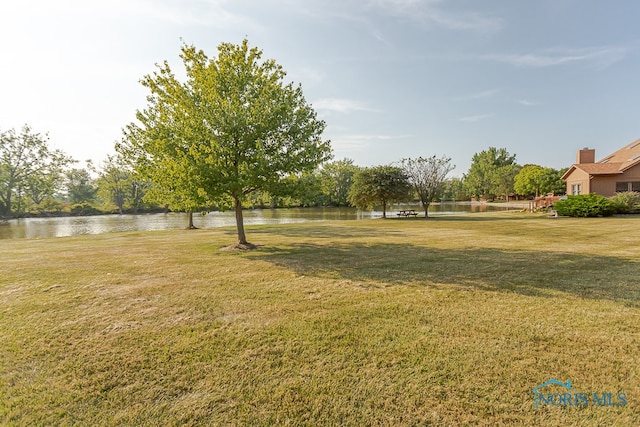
(526, 102)
(478, 95)
(599, 56)
(430, 12)
(360, 142)
(476, 118)
(206, 13)
(341, 106)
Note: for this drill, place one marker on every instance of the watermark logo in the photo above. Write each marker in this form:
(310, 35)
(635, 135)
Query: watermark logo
(571, 397)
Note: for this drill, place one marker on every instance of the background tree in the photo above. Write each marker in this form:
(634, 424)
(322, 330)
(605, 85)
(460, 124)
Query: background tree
(555, 183)
(535, 180)
(379, 185)
(115, 182)
(80, 186)
(505, 176)
(336, 178)
(42, 186)
(454, 189)
(529, 180)
(231, 129)
(427, 176)
(306, 189)
(160, 148)
(27, 167)
(491, 173)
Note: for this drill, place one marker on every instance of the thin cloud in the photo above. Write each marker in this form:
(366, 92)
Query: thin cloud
(526, 103)
(478, 95)
(344, 106)
(360, 142)
(599, 56)
(211, 13)
(429, 12)
(476, 118)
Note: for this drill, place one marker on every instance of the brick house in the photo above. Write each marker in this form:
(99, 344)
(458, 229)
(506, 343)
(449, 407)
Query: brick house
(615, 173)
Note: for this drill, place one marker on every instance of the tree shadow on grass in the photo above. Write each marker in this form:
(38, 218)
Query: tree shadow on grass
(525, 272)
(316, 230)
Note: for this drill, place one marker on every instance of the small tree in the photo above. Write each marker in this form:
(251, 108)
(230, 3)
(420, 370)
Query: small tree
(529, 180)
(233, 128)
(427, 177)
(379, 184)
(534, 180)
(115, 182)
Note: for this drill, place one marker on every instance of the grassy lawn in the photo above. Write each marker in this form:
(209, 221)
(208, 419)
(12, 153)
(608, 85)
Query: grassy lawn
(450, 321)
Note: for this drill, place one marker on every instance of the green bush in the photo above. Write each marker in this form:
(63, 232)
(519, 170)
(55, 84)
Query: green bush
(585, 205)
(83, 209)
(626, 202)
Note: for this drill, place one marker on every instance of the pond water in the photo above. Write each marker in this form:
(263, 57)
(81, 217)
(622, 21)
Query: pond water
(71, 226)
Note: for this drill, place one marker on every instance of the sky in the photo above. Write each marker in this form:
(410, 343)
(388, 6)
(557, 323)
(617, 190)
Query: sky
(391, 78)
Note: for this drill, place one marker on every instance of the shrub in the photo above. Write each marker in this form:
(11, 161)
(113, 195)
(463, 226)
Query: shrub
(626, 202)
(585, 205)
(83, 209)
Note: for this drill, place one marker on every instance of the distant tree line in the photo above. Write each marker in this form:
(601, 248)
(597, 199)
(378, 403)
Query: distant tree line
(36, 180)
(494, 174)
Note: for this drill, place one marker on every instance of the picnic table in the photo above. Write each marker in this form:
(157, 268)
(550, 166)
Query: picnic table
(407, 213)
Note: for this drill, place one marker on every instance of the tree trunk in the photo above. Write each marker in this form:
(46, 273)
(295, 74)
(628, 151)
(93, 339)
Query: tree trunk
(191, 226)
(7, 203)
(426, 211)
(384, 209)
(242, 239)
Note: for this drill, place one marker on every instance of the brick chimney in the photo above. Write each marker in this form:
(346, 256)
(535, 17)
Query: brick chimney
(586, 155)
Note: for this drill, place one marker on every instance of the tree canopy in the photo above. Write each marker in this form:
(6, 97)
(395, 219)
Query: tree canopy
(427, 176)
(336, 179)
(379, 185)
(535, 180)
(491, 173)
(27, 168)
(232, 128)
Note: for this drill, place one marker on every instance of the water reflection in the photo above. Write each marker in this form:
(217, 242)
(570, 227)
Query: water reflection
(71, 226)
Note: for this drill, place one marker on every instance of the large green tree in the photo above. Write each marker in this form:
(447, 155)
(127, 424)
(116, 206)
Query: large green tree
(336, 179)
(232, 128)
(535, 180)
(427, 177)
(379, 185)
(491, 173)
(27, 167)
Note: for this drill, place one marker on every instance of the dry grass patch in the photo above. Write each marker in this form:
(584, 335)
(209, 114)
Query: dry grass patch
(442, 322)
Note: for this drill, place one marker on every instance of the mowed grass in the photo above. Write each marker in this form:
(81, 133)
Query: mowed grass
(450, 321)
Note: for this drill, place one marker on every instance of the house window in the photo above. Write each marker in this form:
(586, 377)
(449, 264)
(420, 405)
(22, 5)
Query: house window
(576, 189)
(621, 187)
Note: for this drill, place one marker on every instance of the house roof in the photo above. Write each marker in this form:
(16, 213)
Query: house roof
(615, 163)
(628, 156)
